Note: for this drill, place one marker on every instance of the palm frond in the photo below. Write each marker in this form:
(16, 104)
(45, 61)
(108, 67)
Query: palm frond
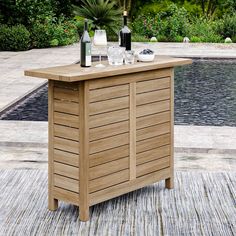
(103, 13)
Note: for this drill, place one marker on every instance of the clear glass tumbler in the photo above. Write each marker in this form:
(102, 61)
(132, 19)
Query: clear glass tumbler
(115, 55)
(129, 57)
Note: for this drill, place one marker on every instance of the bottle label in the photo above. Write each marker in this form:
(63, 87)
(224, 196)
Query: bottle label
(88, 59)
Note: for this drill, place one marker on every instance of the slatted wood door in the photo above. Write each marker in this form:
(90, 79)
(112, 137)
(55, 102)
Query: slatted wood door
(108, 134)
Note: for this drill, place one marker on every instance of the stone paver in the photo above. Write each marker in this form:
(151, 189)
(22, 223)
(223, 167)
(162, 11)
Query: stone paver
(199, 50)
(14, 84)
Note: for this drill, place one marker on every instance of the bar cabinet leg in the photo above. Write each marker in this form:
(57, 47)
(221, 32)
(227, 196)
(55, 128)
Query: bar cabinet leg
(169, 183)
(52, 204)
(84, 213)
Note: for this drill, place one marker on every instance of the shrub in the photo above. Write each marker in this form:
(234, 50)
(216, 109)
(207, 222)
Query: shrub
(54, 43)
(26, 12)
(147, 26)
(139, 38)
(165, 25)
(65, 33)
(53, 34)
(14, 38)
(205, 30)
(175, 22)
(154, 8)
(234, 39)
(227, 26)
(195, 39)
(162, 38)
(179, 39)
(41, 35)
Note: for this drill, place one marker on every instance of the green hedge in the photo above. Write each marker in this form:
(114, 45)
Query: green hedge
(175, 23)
(14, 38)
(49, 34)
(40, 35)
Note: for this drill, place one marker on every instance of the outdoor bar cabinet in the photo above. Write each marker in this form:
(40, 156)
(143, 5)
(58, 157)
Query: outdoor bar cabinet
(110, 129)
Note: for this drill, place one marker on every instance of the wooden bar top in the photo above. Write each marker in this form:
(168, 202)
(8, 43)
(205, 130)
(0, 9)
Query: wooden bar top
(73, 72)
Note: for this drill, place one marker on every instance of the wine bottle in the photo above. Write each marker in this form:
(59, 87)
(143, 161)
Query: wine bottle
(85, 47)
(125, 34)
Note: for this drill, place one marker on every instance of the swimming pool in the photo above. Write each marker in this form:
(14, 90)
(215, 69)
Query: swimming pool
(205, 94)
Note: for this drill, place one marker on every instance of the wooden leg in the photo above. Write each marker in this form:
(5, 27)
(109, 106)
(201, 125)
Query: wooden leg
(84, 213)
(84, 151)
(169, 183)
(52, 204)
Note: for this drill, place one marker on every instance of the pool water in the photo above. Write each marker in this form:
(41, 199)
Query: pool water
(205, 94)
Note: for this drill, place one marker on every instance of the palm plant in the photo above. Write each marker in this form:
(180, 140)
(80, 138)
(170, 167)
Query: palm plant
(102, 13)
(125, 4)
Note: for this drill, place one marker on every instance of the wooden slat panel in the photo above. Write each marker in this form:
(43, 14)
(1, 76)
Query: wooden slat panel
(66, 145)
(129, 186)
(107, 181)
(150, 120)
(66, 196)
(153, 131)
(108, 130)
(66, 132)
(108, 105)
(109, 93)
(108, 118)
(153, 154)
(108, 168)
(154, 96)
(66, 183)
(66, 157)
(66, 94)
(152, 108)
(66, 85)
(122, 79)
(108, 155)
(109, 143)
(66, 119)
(66, 170)
(153, 166)
(154, 84)
(66, 107)
(152, 143)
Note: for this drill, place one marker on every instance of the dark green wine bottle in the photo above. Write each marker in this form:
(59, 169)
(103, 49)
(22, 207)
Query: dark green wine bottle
(85, 47)
(125, 34)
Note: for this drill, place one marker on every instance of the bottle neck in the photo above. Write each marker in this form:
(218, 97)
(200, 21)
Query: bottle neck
(125, 20)
(86, 26)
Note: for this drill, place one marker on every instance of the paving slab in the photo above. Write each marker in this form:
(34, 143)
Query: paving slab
(14, 85)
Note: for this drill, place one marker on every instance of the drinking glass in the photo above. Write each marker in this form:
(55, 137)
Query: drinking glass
(115, 55)
(100, 40)
(129, 57)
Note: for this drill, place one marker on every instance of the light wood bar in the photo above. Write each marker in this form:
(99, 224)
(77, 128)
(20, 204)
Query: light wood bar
(110, 130)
